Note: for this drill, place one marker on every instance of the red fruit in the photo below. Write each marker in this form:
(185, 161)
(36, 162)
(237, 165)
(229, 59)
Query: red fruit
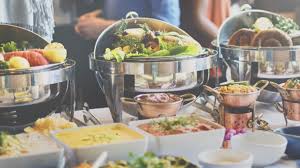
(37, 50)
(34, 58)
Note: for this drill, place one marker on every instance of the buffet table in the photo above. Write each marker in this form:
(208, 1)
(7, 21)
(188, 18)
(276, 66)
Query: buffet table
(270, 114)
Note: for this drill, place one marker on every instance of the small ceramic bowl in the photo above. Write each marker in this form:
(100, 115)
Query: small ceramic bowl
(266, 147)
(293, 136)
(225, 158)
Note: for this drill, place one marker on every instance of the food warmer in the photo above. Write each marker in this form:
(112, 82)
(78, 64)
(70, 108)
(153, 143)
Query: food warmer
(179, 75)
(275, 64)
(29, 94)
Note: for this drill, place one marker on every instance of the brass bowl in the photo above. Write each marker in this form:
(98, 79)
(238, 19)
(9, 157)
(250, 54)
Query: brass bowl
(154, 110)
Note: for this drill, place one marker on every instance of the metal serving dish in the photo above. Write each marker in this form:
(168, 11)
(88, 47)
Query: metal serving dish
(238, 99)
(251, 63)
(139, 107)
(290, 106)
(28, 94)
(148, 74)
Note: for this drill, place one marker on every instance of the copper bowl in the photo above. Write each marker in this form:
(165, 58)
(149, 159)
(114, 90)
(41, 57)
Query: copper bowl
(148, 109)
(238, 99)
(287, 94)
(290, 106)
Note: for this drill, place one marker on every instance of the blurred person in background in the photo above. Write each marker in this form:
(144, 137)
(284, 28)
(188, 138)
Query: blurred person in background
(91, 24)
(34, 15)
(66, 14)
(202, 19)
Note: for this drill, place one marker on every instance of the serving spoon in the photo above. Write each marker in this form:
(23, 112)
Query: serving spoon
(101, 160)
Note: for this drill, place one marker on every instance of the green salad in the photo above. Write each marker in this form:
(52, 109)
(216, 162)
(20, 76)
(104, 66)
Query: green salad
(149, 160)
(287, 25)
(144, 42)
(13, 46)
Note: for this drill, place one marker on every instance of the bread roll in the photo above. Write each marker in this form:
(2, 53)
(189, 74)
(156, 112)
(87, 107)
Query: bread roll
(242, 37)
(271, 38)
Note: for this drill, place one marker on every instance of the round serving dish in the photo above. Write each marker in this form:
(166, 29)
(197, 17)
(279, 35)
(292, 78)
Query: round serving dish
(156, 109)
(266, 147)
(225, 158)
(238, 99)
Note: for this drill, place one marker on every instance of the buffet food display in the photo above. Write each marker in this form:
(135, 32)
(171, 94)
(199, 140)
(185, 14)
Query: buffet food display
(152, 70)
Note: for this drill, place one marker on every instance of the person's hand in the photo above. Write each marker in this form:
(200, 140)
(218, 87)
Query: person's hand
(90, 28)
(92, 14)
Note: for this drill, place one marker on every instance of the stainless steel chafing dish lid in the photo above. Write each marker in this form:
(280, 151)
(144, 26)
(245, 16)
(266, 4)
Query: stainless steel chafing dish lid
(134, 66)
(104, 40)
(242, 20)
(15, 33)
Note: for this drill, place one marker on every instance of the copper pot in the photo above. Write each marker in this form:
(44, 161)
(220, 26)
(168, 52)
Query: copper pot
(291, 110)
(240, 99)
(155, 110)
(290, 106)
(287, 94)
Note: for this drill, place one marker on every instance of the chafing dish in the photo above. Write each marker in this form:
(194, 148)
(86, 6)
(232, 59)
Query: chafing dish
(251, 63)
(179, 75)
(28, 94)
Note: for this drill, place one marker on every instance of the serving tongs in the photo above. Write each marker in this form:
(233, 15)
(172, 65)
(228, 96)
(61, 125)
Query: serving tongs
(88, 116)
(259, 123)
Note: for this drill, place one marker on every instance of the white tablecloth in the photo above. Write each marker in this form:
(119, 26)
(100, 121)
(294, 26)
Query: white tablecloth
(270, 114)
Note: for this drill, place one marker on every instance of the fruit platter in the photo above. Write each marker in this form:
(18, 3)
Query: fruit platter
(16, 56)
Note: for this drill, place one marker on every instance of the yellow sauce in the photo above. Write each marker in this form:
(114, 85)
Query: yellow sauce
(89, 136)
